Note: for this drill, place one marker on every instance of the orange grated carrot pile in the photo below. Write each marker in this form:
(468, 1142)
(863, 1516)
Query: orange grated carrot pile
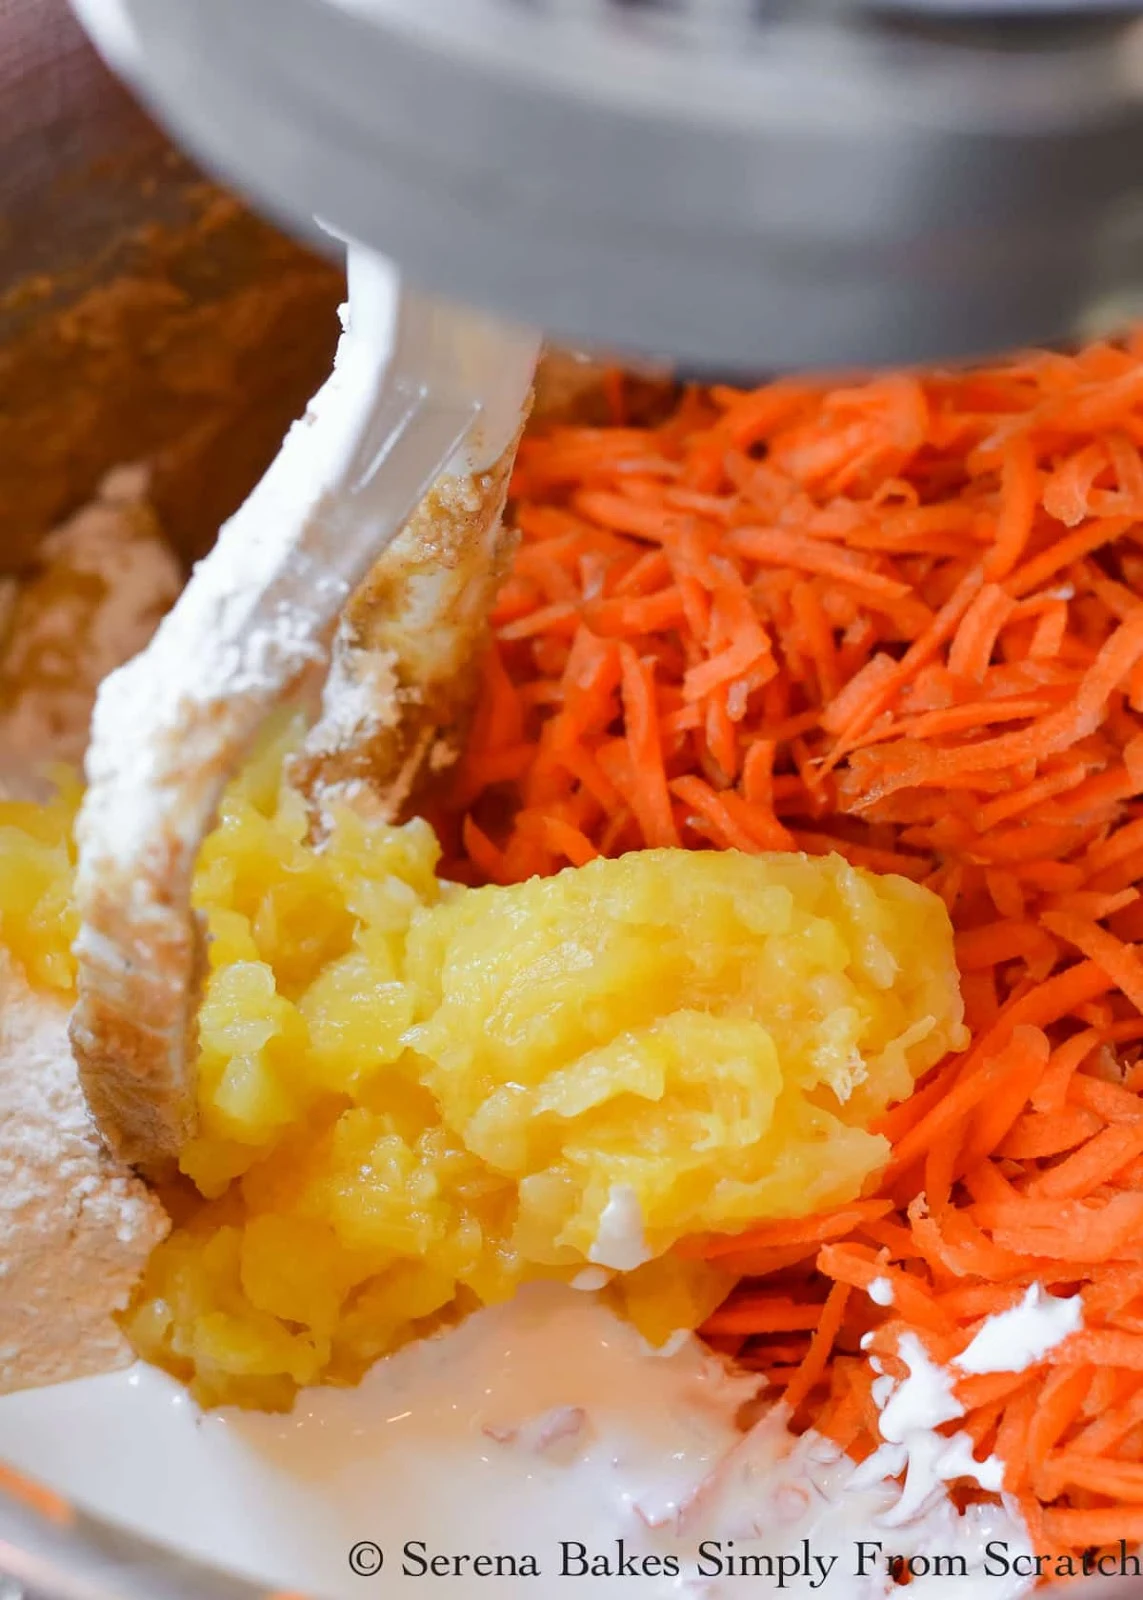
(902, 620)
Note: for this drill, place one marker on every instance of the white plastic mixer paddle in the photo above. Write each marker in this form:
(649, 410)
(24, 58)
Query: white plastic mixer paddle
(418, 387)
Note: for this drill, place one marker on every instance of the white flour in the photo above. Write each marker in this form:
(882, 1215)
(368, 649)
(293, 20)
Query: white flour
(103, 581)
(361, 698)
(75, 1230)
(247, 625)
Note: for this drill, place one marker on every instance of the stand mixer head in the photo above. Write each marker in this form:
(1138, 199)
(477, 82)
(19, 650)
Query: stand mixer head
(733, 184)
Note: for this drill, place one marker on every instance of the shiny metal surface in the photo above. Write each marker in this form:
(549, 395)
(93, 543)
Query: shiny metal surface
(142, 313)
(92, 198)
(83, 175)
(61, 115)
(71, 1556)
(735, 184)
(76, 1557)
(81, 170)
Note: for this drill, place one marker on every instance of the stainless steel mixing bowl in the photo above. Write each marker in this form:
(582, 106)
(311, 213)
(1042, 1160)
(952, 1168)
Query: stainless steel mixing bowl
(141, 312)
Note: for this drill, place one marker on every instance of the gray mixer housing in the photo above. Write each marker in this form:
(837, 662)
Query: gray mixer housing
(735, 185)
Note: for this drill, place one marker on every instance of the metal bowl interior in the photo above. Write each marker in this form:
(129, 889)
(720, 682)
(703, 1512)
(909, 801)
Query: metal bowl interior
(144, 313)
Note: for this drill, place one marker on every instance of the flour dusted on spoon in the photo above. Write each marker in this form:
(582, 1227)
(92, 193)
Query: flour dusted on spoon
(168, 730)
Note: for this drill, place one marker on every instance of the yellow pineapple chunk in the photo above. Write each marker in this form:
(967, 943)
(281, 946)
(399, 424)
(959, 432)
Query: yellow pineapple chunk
(711, 1031)
(413, 1097)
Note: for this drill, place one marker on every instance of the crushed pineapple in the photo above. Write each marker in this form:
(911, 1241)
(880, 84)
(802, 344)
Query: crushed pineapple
(699, 1027)
(37, 922)
(414, 1096)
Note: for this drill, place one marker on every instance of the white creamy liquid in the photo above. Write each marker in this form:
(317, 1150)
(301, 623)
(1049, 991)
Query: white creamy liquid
(544, 1421)
(1014, 1340)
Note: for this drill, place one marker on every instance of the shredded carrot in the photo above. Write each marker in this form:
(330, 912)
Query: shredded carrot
(1121, 963)
(902, 620)
(765, 1314)
(806, 1230)
(813, 1368)
(1019, 494)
